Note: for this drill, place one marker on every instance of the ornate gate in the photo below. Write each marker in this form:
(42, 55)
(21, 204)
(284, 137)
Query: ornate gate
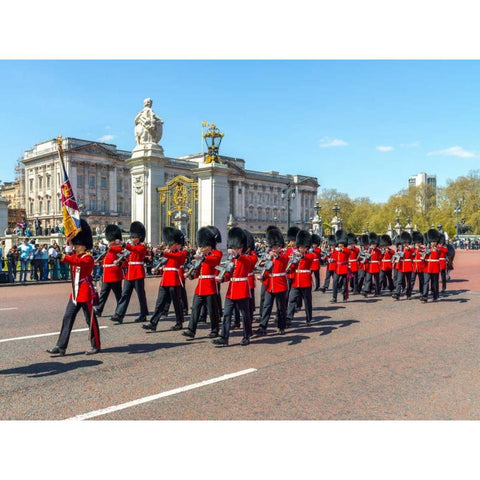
(178, 201)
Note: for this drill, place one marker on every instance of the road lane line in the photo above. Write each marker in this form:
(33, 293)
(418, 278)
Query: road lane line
(139, 401)
(43, 335)
(8, 308)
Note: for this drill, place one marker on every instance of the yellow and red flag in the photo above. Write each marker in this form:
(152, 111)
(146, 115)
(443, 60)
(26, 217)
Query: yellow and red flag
(70, 211)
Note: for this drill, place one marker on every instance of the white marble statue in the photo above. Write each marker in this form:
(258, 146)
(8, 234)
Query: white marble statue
(148, 127)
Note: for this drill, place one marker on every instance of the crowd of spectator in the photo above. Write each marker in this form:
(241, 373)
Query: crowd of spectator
(467, 243)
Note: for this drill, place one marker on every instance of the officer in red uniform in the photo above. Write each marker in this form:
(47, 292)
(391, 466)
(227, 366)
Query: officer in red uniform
(238, 292)
(386, 279)
(112, 270)
(275, 282)
(443, 261)
(330, 258)
(81, 264)
(172, 279)
(302, 281)
(316, 241)
(251, 274)
(135, 276)
(342, 254)
(208, 257)
(404, 266)
(373, 266)
(353, 261)
(363, 260)
(418, 241)
(291, 247)
(432, 267)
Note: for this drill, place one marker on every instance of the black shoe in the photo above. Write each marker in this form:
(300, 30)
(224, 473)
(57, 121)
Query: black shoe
(395, 296)
(98, 313)
(188, 333)
(221, 342)
(56, 351)
(245, 342)
(365, 294)
(260, 331)
(308, 323)
(322, 289)
(213, 335)
(141, 318)
(281, 331)
(409, 297)
(424, 299)
(289, 323)
(92, 351)
(177, 326)
(117, 319)
(333, 300)
(150, 326)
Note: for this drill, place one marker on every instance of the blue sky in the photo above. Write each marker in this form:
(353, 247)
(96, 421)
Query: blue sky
(360, 126)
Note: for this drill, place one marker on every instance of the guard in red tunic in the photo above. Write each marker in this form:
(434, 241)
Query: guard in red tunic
(275, 281)
(363, 257)
(404, 266)
(302, 281)
(330, 259)
(238, 292)
(342, 254)
(373, 266)
(418, 241)
(205, 296)
(135, 275)
(172, 279)
(316, 241)
(112, 268)
(432, 268)
(353, 262)
(81, 264)
(443, 261)
(251, 274)
(291, 247)
(386, 279)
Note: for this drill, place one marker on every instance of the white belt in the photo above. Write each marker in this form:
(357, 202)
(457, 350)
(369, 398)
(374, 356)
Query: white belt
(384, 261)
(111, 265)
(201, 277)
(302, 271)
(135, 263)
(315, 260)
(243, 279)
(170, 269)
(374, 261)
(433, 259)
(283, 274)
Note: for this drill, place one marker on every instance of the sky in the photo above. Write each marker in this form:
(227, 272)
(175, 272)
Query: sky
(361, 127)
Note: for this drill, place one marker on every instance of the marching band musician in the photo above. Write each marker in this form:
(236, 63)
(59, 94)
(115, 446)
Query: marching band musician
(373, 266)
(363, 261)
(135, 275)
(238, 292)
(292, 238)
(250, 251)
(205, 295)
(112, 271)
(341, 255)
(443, 260)
(169, 289)
(302, 281)
(316, 241)
(404, 266)
(275, 283)
(418, 260)
(432, 266)
(330, 263)
(386, 279)
(353, 261)
(81, 263)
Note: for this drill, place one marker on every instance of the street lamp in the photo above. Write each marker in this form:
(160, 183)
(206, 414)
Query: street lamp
(213, 138)
(336, 209)
(457, 210)
(288, 192)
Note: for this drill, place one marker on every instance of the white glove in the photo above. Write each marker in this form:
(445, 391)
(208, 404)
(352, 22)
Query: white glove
(68, 249)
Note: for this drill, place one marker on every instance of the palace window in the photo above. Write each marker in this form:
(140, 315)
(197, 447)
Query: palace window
(40, 207)
(103, 182)
(92, 204)
(31, 184)
(91, 181)
(119, 185)
(80, 181)
(40, 182)
(48, 181)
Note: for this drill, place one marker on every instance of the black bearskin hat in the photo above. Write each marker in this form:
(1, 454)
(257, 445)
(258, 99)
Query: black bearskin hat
(364, 241)
(173, 235)
(331, 240)
(304, 239)
(341, 237)
(113, 232)
(250, 240)
(351, 239)
(373, 238)
(385, 240)
(417, 237)
(237, 238)
(137, 230)
(316, 239)
(275, 237)
(216, 231)
(442, 239)
(406, 237)
(433, 235)
(292, 233)
(397, 240)
(206, 237)
(84, 236)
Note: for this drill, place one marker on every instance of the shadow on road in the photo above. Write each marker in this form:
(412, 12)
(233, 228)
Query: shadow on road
(457, 280)
(45, 369)
(142, 347)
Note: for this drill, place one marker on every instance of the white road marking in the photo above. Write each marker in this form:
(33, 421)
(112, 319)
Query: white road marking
(8, 308)
(43, 335)
(151, 398)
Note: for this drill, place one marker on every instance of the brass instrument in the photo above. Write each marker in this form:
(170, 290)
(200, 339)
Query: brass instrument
(295, 257)
(122, 257)
(193, 266)
(226, 266)
(100, 257)
(264, 264)
(365, 255)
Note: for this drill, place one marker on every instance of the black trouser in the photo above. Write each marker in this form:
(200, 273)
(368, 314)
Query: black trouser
(227, 317)
(404, 278)
(306, 294)
(299, 298)
(443, 276)
(432, 279)
(339, 281)
(386, 280)
(183, 296)
(115, 287)
(316, 276)
(360, 279)
(12, 271)
(354, 282)
(368, 282)
(164, 297)
(128, 286)
(37, 269)
(262, 298)
(210, 303)
(328, 275)
(420, 276)
(281, 301)
(69, 319)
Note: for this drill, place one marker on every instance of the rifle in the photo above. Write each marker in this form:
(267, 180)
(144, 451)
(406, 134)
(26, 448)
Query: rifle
(226, 266)
(100, 257)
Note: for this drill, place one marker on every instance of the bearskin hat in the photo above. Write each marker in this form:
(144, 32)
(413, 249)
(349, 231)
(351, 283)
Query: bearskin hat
(433, 235)
(351, 239)
(237, 238)
(363, 240)
(442, 239)
(385, 241)
(331, 240)
(304, 238)
(250, 240)
(275, 237)
(292, 233)
(216, 231)
(137, 230)
(406, 237)
(397, 240)
(316, 239)
(206, 237)
(417, 237)
(113, 232)
(173, 235)
(341, 237)
(373, 238)
(84, 236)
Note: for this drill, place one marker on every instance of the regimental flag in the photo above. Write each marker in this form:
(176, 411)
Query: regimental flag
(70, 211)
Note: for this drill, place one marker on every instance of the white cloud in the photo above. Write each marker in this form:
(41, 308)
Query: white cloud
(106, 138)
(382, 148)
(453, 152)
(331, 142)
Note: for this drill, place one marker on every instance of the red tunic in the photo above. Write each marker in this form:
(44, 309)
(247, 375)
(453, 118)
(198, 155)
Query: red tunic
(316, 261)
(136, 259)
(85, 263)
(341, 265)
(386, 262)
(406, 263)
(443, 252)
(353, 259)
(251, 275)
(111, 272)
(276, 279)
(418, 262)
(433, 261)
(373, 265)
(172, 270)
(332, 259)
(302, 274)
(206, 280)
(290, 252)
(238, 286)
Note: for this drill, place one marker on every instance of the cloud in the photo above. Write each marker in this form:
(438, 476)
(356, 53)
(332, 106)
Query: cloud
(106, 138)
(453, 152)
(382, 148)
(331, 142)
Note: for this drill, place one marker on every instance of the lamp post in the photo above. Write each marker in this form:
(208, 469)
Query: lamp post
(317, 220)
(213, 138)
(288, 192)
(457, 211)
(336, 222)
